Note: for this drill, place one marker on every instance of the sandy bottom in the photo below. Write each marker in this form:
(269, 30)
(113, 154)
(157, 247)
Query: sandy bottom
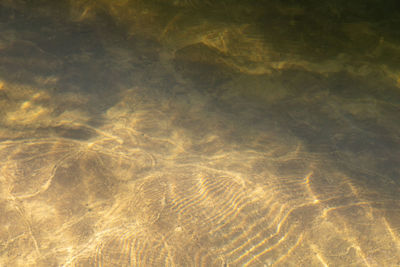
(111, 156)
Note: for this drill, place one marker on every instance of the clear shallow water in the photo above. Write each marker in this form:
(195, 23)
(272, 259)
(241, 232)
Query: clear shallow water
(187, 138)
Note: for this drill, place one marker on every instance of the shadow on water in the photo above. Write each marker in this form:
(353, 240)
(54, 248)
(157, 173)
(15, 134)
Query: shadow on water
(199, 133)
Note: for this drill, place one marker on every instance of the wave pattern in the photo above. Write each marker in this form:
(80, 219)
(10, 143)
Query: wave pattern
(115, 203)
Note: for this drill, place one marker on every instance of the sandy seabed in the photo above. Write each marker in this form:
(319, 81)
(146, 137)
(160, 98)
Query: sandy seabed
(112, 153)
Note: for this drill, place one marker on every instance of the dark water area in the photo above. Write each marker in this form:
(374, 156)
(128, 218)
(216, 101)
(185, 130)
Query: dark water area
(199, 133)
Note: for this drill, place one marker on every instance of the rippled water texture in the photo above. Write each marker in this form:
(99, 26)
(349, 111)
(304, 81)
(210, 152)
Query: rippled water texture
(188, 133)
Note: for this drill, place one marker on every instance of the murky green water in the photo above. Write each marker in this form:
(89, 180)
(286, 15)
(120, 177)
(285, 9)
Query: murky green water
(188, 133)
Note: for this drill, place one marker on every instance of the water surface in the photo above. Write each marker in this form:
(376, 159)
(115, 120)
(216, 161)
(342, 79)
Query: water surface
(188, 133)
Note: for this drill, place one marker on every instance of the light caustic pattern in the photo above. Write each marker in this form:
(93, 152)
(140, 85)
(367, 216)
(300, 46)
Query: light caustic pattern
(143, 190)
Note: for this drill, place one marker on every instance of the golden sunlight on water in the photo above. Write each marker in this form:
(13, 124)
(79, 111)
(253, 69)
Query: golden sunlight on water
(161, 134)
